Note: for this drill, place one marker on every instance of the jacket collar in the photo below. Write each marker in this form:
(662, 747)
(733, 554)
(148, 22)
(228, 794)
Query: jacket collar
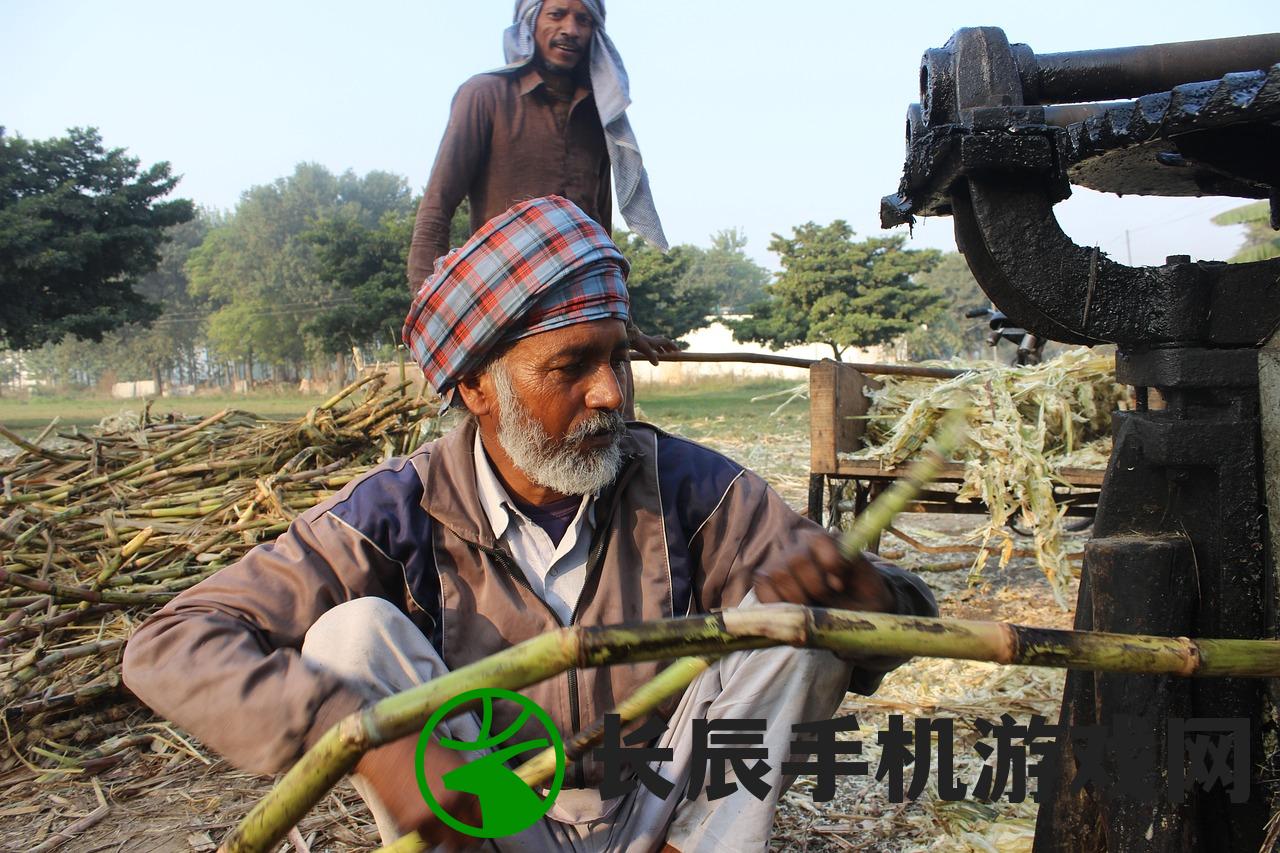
(452, 498)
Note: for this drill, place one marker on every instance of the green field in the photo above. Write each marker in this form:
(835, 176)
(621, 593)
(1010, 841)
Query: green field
(29, 416)
(693, 409)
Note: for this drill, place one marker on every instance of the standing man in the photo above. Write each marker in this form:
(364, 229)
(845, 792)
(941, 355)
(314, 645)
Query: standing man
(553, 121)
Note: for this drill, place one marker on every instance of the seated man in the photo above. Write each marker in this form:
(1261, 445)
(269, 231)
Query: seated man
(542, 509)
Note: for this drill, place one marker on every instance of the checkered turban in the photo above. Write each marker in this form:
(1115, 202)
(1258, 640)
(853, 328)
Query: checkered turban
(541, 265)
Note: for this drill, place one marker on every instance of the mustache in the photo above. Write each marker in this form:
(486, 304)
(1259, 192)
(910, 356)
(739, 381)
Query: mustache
(599, 424)
(568, 43)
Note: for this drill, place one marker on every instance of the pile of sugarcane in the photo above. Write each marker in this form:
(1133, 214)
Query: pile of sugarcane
(99, 528)
(1026, 424)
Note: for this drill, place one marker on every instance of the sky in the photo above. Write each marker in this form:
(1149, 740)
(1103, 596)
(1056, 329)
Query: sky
(756, 115)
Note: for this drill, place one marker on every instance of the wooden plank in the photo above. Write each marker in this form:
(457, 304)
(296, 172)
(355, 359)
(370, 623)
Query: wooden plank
(822, 418)
(838, 405)
(851, 408)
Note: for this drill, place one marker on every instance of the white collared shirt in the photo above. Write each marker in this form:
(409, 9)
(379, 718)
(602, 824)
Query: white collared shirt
(555, 572)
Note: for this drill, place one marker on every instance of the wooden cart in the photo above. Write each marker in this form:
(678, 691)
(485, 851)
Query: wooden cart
(838, 403)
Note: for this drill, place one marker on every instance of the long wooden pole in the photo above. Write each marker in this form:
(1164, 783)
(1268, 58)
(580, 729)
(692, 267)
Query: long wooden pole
(806, 363)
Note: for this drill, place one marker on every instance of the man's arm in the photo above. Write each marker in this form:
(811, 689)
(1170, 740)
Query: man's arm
(754, 540)
(463, 152)
(604, 194)
(222, 659)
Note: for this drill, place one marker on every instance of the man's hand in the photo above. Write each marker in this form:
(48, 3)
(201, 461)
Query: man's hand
(814, 573)
(650, 346)
(389, 771)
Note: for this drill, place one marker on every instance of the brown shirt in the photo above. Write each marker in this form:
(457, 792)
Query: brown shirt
(509, 139)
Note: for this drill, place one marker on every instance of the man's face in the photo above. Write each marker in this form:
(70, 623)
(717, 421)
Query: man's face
(559, 396)
(562, 34)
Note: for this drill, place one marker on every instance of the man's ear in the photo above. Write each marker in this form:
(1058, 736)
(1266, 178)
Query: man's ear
(478, 394)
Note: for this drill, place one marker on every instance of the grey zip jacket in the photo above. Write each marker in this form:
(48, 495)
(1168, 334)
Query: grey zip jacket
(679, 532)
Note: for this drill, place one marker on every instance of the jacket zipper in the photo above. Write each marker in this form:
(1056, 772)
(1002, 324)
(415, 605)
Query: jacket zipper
(593, 564)
(507, 562)
(575, 716)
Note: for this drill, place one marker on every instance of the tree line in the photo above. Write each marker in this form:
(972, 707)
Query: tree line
(101, 274)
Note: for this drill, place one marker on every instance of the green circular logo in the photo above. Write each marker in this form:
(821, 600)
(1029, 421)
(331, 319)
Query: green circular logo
(507, 804)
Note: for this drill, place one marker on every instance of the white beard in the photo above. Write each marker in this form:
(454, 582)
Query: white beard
(562, 466)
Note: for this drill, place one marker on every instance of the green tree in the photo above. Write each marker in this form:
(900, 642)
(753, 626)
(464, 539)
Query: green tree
(663, 302)
(1260, 240)
(71, 362)
(365, 267)
(79, 226)
(950, 334)
(260, 269)
(725, 269)
(841, 293)
(173, 341)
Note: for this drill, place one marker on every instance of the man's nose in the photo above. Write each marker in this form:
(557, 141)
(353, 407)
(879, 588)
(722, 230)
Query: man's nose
(606, 389)
(571, 28)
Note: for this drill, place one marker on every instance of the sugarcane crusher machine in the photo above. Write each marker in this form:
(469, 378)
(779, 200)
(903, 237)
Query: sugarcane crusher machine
(1180, 545)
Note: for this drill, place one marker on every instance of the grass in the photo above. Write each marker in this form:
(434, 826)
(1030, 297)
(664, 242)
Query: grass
(741, 420)
(695, 409)
(29, 416)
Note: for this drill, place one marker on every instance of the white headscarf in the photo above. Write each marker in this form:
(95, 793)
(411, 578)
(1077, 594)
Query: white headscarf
(609, 86)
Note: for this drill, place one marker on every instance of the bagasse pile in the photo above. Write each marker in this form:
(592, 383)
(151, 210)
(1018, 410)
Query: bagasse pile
(96, 535)
(1026, 424)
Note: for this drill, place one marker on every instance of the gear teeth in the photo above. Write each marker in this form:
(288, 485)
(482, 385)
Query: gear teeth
(1149, 116)
(1120, 123)
(1241, 90)
(1190, 99)
(1186, 107)
(1270, 90)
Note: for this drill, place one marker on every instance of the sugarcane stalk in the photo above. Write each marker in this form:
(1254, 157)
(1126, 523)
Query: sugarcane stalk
(847, 633)
(77, 593)
(26, 632)
(199, 427)
(198, 468)
(44, 433)
(645, 700)
(542, 767)
(77, 697)
(127, 553)
(346, 392)
(338, 750)
(21, 601)
(63, 515)
(53, 659)
(63, 492)
(35, 449)
(182, 511)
